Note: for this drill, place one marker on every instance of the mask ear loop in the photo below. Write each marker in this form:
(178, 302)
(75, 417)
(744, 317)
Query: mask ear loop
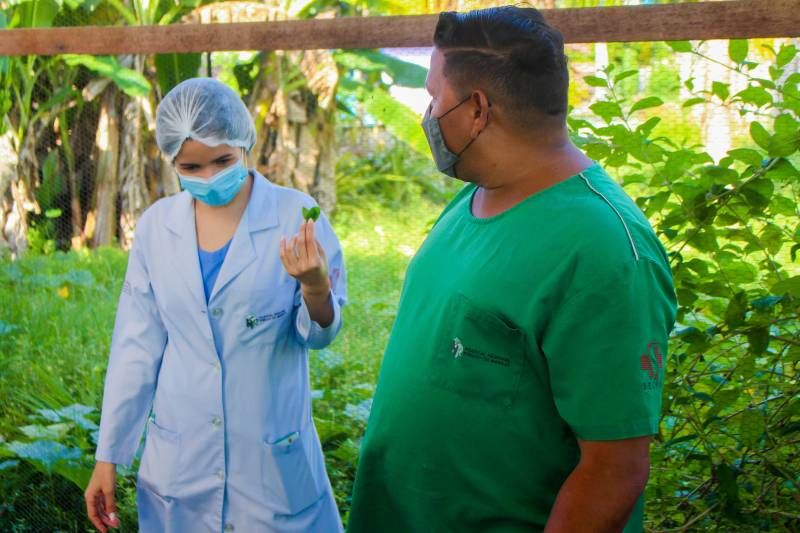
(458, 155)
(479, 133)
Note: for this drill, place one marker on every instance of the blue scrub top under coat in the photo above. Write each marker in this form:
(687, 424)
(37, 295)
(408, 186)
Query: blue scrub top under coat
(210, 265)
(231, 444)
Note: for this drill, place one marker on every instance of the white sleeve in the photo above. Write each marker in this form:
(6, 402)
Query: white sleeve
(310, 333)
(137, 348)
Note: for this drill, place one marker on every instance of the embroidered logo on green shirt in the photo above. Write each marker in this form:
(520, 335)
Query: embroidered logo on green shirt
(652, 362)
(459, 350)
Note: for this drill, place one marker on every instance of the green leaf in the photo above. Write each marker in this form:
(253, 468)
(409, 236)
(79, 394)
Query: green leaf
(737, 50)
(737, 307)
(171, 69)
(751, 427)
(760, 135)
(787, 136)
(694, 101)
(784, 145)
(52, 182)
(721, 90)
(625, 75)
(755, 95)
(785, 55)
(53, 431)
(786, 125)
(746, 155)
(52, 213)
(595, 81)
(725, 478)
(758, 193)
(772, 237)
(758, 338)
(646, 103)
(646, 128)
(726, 397)
(606, 110)
(783, 171)
(402, 72)
(790, 286)
(75, 472)
(133, 83)
(44, 453)
(311, 214)
(680, 46)
(401, 121)
(35, 14)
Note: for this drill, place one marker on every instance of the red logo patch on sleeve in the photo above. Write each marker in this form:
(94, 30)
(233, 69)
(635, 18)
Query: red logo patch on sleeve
(652, 362)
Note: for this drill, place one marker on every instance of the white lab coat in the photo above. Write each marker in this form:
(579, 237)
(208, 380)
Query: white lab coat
(230, 444)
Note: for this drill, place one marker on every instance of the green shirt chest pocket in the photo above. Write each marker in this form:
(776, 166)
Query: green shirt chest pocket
(479, 355)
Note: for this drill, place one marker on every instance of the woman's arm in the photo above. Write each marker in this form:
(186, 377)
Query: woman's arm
(322, 282)
(137, 348)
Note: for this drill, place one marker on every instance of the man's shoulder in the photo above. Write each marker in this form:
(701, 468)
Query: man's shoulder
(463, 194)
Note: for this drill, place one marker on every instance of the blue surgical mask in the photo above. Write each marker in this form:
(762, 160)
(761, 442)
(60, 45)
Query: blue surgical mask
(445, 159)
(220, 188)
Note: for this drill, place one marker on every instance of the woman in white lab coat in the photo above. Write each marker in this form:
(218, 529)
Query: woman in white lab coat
(227, 288)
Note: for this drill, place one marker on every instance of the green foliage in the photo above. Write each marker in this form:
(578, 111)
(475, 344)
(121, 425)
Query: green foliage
(130, 81)
(400, 120)
(371, 61)
(393, 175)
(726, 457)
(363, 86)
(171, 69)
(34, 14)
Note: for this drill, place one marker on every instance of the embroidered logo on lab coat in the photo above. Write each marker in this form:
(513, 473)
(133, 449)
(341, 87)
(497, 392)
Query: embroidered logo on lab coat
(251, 321)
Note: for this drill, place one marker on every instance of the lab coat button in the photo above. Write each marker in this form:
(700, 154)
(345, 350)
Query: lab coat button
(221, 474)
(228, 527)
(215, 364)
(216, 421)
(217, 312)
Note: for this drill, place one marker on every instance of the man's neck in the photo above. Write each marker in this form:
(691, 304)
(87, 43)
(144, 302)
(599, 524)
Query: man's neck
(527, 171)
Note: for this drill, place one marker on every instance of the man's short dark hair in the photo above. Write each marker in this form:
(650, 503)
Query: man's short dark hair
(510, 53)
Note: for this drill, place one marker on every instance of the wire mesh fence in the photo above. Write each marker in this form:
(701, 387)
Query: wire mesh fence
(79, 165)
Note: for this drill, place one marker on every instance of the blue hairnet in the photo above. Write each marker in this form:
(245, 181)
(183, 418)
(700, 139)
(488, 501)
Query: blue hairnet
(205, 110)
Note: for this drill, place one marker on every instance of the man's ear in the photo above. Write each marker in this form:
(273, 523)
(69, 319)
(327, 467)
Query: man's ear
(481, 106)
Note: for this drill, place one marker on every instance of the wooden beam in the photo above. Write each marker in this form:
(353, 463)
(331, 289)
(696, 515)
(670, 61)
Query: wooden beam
(739, 19)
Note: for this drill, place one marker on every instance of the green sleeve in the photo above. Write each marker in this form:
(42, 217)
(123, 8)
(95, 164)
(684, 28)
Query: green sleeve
(606, 347)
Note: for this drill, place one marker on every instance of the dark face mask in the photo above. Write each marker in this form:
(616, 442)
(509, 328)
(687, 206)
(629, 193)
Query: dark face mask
(445, 159)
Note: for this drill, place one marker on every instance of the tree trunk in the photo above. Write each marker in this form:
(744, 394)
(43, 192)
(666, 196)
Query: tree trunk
(296, 142)
(12, 236)
(106, 176)
(132, 176)
(76, 216)
(16, 192)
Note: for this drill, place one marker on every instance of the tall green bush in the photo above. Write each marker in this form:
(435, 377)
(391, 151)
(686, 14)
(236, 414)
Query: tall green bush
(727, 456)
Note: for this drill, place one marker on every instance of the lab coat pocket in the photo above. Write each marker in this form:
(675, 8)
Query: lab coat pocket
(290, 481)
(480, 355)
(266, 315)
(159, 460)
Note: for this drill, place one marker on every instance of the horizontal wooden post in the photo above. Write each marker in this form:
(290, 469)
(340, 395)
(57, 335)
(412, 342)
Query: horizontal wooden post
(703, 20)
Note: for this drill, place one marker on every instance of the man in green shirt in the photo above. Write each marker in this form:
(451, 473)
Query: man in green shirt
(522, 380)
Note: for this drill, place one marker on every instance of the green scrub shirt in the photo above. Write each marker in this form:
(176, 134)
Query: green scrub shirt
(515, 336)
